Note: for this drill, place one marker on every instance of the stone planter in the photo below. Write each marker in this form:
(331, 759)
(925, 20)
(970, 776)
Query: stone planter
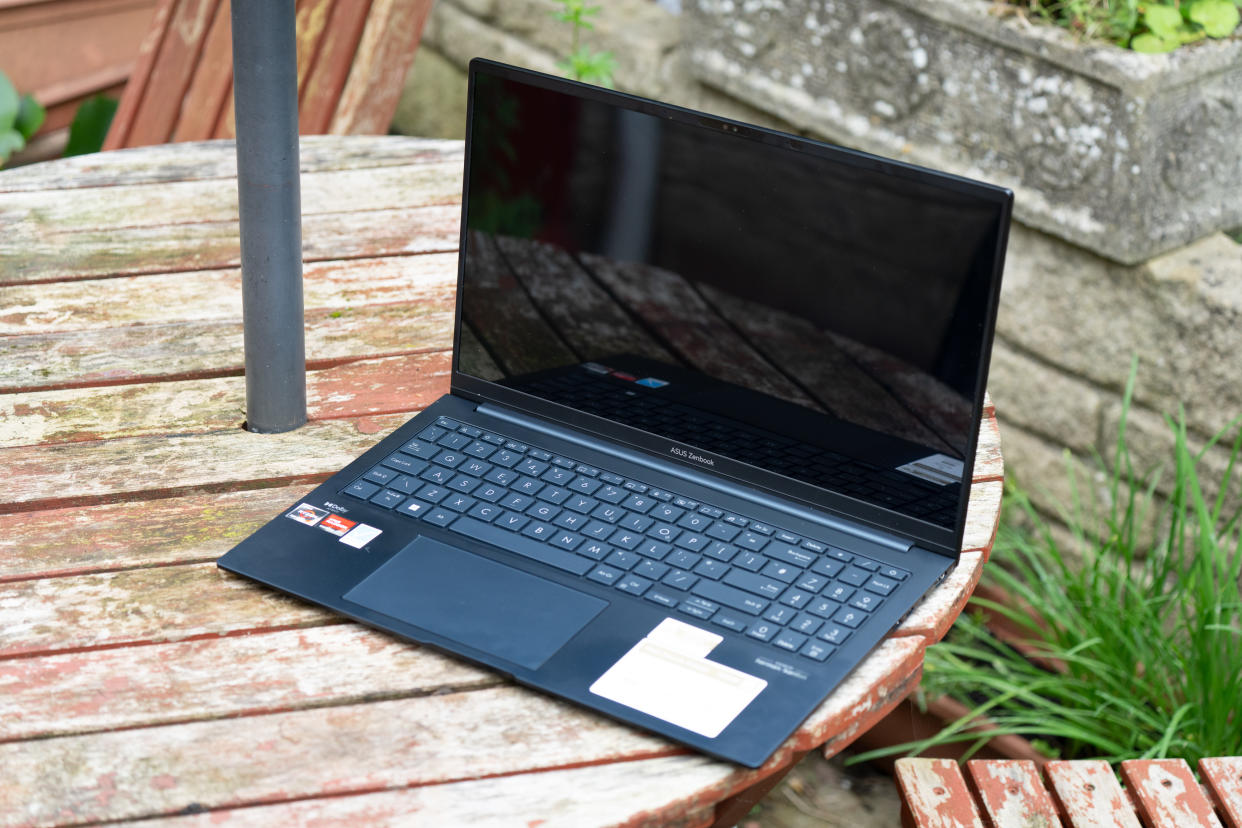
(1126, 154)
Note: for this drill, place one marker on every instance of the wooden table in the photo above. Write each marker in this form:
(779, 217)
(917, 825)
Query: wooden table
(136, 679)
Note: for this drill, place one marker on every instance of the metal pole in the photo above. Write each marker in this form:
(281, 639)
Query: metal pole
(265, 91)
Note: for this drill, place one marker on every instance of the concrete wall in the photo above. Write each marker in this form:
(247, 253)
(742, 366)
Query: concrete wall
(1070, 318)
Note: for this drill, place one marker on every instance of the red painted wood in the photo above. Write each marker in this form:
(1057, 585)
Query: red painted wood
(1089, 795)
(326, 79)
(1013, 794)
(935, 795)
(1167, 795)
(212, 83)
(136, 88)
(172, 72)
(1222, 776)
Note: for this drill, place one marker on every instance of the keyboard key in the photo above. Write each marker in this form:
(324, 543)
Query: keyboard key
(540, 454)
(598, 529)
(626, 539)
(486, 512)
(680, 579)
(710, 511)
(815, 546)
(781, 571)
(827, 568)
(608, 512)
(758, 584)
(653, 549)
(806, 624)
(415, 508)
(752, 561)
(432, 493)
(839, 592)
(787, 537)
(501, 477)
(691, 541)
(405, 485)
(543, 511)
(527, 486)
(506, 458)
(570, 520)
(589, 471)
(531, 467)
(563, 462)
(608, 494)
(437, 475)
(811, 583)
(695, 522)
(789, 640)
(779, 614)
(605, 574)
(609, 477)
(440, 517)
(865, 601)
(432, 433)
(667, 512)
(722, 531)
(850, 617)
(795, 597)
(421, 449)
(893, 572)
(567, 540)
(453, 441)
(638, 503)
(489, 492)
(534, 550)
(651, 569)
(854, 576)
(361, 489)
(763, 631)
(866, 563)
(816, 650)
(387, 499)
(721, 551)
(556, 476)
(589, 485)
(664, 532)
(469, 431)
(458, 502)
(538, 530)
(880, 586)
(710, 568)
(839, 554)
(834, 634)
(762, 528)
(464, 483)
(633, 585)
(381, 475)
(517, 502)
(730, 621)
(683, 559)
(789, 554)
(635, 522)
(635, 486)
(581, 504)
(447, 423)
(623, 559)
(480, 450)
(822, 607)
(659, 596)
(514, 445)
(475, 468)
(594, 550)
(730, 597)
(694, 610)
(404, 463)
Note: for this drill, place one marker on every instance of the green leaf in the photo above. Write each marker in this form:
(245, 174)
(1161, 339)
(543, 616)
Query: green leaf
(1151, 44)
(8, 102)
(30, 115)
(1217, 17)
(10, 142)
(1164, 21)
(90, 125)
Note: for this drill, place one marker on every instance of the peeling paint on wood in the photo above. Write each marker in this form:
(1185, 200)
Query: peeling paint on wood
(1090, 795)
(1166, 793)
(935, 795)
(1013, 795)
(1223, 778)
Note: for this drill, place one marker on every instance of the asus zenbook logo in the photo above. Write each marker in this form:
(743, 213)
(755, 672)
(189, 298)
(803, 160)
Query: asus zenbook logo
(689, 455)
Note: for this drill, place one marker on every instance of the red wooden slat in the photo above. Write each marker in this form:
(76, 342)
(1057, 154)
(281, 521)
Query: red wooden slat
(934, 794)
(384, 56)
(1167, 794)
(1223, 777)
(212, 83)
(135, 89)
(1089, 795)
(322, 88)
(1012, 794)
(311, 21)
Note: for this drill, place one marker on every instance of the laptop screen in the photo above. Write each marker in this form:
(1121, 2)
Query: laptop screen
(812, 312)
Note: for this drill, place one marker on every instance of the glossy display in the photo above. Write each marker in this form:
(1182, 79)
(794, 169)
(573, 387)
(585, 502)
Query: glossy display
(810, 311)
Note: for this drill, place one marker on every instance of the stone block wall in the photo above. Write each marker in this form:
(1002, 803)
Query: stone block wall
(1070, 319)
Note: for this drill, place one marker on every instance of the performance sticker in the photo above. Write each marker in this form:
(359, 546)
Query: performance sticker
(361, 535)
(336, 524)
(940, 469)
(674, 656)
(652, 382)
(308, 514)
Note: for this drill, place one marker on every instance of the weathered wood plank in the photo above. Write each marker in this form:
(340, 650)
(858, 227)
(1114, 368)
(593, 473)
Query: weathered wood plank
(1089, 795)
(212, 678)
(934, 794)
(1166, 794)
(211, 83)
(1223, 778)
(1012, 794)
(64, 255)
(138, 606)
(30, 214)
(989, 465)
(384, 55)
(322, 84)
(146, 353)
(638, 794)
(140, 75)
(336, 750)
(64, 475)
(389, 385)
(932, 617)
(983, 516)
(216, 294)
(218, 159)
(83, 539)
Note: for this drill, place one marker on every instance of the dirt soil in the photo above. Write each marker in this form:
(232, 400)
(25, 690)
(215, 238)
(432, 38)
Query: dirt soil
(819, 793)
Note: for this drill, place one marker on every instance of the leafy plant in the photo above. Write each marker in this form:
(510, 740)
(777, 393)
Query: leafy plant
(90, 125)
(20, 117)
(583, 63)
(1133, 652)
(1141, 26)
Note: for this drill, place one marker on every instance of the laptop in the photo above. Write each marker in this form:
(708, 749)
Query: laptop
(714, 403)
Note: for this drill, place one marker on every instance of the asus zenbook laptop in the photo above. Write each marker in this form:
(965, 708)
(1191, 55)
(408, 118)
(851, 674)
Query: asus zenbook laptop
(713, 413)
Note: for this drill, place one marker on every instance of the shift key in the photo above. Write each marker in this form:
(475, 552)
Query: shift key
(758, 584)
(729, 596)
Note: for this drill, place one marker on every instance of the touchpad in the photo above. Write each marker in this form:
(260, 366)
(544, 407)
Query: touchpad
(477, 602)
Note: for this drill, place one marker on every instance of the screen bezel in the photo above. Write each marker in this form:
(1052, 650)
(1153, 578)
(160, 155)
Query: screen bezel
(941, 539)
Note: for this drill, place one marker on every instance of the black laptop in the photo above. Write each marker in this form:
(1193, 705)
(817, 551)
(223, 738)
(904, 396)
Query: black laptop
(713, 414)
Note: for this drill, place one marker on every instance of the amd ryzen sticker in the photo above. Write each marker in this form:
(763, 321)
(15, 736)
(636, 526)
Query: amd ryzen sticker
(336, 524)
(940, 469)
(667, 675)
(308, 514)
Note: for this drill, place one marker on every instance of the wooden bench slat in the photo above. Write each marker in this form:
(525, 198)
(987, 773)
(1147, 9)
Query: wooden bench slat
(81, 540)
(588, 797)
(82, 473)
(376, 76)
(988, 462)
(981, 524)
(934, 794)
(1223, 777)
(1167, 795)
(158, 684)
(1012, 794)
(322, 85)
(169, 162)
(211, 83)
(1089, 795)
(308, 753)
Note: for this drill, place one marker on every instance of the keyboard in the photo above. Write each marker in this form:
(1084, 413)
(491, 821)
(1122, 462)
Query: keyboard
(796, 593)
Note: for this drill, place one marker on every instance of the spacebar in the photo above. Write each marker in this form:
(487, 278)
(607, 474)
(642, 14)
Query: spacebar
(526, 547)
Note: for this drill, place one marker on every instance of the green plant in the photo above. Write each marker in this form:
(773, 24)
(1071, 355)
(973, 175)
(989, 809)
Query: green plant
(90, 125)
(20, 117)
(583, 64)
(1137, 649)
(1141, 26)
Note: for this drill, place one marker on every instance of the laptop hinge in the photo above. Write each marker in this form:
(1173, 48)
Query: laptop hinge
(770, 501)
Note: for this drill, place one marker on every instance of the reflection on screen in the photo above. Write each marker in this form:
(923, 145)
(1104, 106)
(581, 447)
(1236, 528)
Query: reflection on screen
(817, 316)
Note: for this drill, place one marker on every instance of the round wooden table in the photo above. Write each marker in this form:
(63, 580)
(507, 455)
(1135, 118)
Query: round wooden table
(139, 681)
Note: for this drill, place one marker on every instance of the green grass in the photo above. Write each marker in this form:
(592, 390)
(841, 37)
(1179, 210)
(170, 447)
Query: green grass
(1141, 25)
(1140, 640)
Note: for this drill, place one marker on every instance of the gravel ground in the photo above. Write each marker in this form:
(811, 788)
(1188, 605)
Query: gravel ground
(823, 793)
